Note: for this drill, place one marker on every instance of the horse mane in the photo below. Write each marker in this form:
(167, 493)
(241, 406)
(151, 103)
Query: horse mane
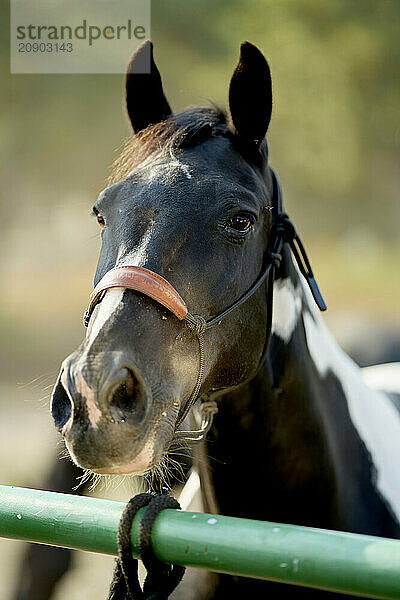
(181, 130)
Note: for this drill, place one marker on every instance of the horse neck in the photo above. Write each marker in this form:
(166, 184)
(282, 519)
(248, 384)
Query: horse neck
(280, 434)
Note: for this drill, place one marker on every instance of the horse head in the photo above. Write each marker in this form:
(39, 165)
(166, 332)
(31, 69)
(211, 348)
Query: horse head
(192, 203)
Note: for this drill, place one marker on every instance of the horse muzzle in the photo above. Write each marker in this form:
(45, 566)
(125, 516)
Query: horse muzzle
(109, 422)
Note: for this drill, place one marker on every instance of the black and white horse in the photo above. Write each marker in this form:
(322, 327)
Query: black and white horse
(300, 436)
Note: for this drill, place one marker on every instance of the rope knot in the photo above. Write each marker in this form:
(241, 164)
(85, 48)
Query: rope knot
(161, 578)
(196, 323)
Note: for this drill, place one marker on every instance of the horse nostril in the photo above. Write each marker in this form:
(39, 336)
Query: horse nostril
(126, 396)
(61, 407)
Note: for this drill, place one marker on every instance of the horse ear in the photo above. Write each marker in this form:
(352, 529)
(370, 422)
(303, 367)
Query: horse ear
(145, 100)
(250, 94)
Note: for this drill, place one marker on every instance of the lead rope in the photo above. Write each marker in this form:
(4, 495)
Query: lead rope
(161, 579)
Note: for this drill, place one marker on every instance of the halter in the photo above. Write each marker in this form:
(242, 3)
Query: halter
(158, 288)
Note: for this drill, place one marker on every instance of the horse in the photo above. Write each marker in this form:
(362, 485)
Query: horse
(193, 219)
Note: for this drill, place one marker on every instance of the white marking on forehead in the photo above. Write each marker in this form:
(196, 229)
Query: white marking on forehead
(286, 309)
(138, 256)
(374, 416)
(164, 170)
(185, 168)
(103, 313)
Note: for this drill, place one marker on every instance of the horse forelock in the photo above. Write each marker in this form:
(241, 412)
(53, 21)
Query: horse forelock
(182, 130)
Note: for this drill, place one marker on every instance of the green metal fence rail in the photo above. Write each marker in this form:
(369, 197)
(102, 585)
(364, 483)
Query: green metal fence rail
(342, 562)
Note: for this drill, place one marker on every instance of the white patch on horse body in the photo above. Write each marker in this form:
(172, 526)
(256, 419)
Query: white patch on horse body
(372, 413)
(286, 309)
(190, 497)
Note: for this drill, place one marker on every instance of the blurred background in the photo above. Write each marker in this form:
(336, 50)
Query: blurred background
(334, 142)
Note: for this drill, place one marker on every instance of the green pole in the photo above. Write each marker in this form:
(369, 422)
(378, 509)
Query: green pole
(335, 561)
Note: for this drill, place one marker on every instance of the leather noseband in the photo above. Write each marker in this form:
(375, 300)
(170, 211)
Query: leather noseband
(141, 280)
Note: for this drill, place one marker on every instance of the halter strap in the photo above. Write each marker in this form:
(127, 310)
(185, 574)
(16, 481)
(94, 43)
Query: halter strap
(158, 288)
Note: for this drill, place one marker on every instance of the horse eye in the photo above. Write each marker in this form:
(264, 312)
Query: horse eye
(101, 220)
(240, 223)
